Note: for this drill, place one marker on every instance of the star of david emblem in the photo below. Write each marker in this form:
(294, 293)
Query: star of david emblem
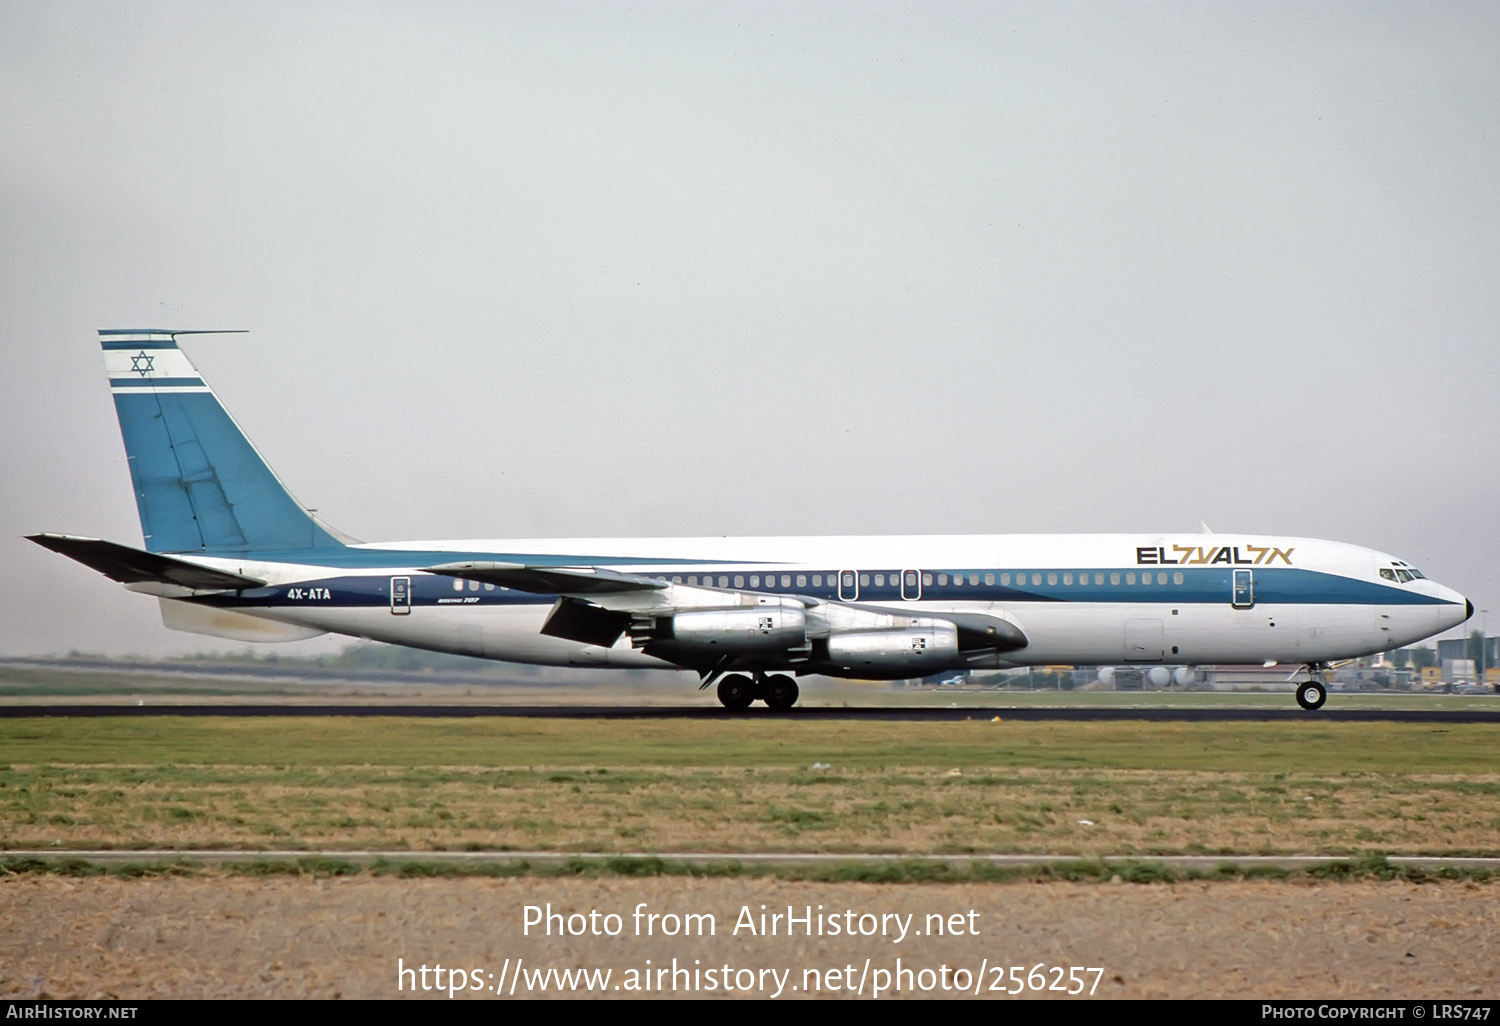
(141, 363)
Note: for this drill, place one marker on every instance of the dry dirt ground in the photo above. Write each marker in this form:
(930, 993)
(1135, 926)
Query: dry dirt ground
(245, 937)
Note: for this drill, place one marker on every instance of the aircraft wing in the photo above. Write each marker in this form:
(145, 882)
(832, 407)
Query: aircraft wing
(133, 566)
(596, 606)
(549, 580)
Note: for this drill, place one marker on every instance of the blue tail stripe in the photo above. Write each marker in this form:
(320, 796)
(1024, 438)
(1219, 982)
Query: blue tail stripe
(142, 344)
(156, 383)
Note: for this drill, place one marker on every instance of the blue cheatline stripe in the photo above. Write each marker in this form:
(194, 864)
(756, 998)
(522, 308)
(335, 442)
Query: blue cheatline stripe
(156, 382)
(139, 344)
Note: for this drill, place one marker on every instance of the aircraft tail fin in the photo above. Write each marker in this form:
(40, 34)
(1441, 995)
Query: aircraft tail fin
(199, 483)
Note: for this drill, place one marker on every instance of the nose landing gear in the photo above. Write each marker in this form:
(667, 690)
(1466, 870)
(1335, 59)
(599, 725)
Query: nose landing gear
(1312, 693)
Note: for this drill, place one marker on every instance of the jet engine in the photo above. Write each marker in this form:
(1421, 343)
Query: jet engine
(903, 652)
(723, 631)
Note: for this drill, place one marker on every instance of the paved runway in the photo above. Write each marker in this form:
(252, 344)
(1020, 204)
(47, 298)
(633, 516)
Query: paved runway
(713, 712)
(604, 859)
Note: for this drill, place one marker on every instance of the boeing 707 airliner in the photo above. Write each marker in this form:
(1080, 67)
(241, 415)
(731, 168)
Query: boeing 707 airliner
(228, 552)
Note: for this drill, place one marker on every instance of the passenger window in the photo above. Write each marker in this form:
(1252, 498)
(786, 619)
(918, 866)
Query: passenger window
(1177, 577)
(1051, 578)
(911, 579)
(1036, 578)
(880, 580)
(754, 580)
(1005, 578)
(1161, 577)
(786, 580)
(458, 583)
(989, 579)
(817, 580)
(942, 579)
(801, 580)
(1067, 578)
(489, 587)
(739, 580)
(926, 580)
(864, 580)
(473, 585)
(1098, 578)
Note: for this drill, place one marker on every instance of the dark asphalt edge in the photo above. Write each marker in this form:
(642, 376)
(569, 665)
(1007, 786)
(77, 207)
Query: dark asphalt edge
(1177, 715)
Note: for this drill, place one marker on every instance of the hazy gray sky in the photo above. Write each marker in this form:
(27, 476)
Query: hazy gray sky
(762, 268)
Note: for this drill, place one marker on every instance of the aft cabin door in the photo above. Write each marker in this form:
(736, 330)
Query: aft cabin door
(1244, 589)
(400, 596)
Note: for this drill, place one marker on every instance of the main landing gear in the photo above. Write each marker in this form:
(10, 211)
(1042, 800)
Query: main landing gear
(778, 691)
(1311, 694)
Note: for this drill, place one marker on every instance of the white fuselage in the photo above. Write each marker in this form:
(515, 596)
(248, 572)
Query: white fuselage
(1079, 599)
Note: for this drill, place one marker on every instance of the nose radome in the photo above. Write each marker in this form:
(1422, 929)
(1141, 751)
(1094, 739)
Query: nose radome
(1468, 609)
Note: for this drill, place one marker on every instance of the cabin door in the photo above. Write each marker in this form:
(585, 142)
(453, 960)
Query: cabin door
(1244, 589)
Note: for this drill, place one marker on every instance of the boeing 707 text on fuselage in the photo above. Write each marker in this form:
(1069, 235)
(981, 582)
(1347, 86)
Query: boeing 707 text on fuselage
(228, 552)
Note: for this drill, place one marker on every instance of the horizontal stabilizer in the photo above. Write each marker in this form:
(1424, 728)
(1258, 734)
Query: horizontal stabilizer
(548, 580)
(133, 566)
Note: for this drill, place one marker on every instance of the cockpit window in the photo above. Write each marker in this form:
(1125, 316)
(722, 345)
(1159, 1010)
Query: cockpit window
(1388, 573)
(1404, 575)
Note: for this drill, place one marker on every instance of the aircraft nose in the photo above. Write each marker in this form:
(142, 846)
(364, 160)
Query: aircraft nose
(1468, 609)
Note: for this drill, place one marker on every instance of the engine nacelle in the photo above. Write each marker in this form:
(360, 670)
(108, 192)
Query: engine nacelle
(752, 629)
(912, 651)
